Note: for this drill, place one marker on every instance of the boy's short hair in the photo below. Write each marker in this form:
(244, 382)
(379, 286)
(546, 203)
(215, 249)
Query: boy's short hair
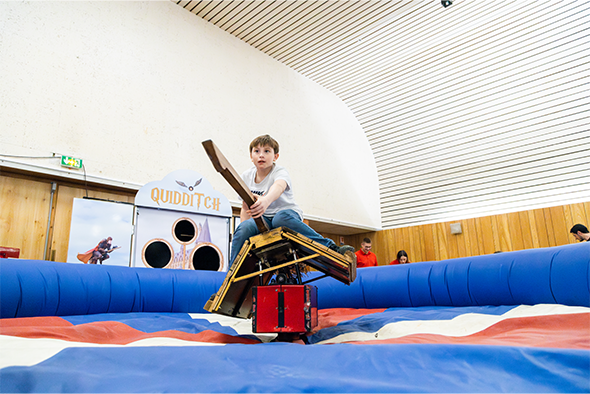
(265, 140)
(579, 227)
(367, 240)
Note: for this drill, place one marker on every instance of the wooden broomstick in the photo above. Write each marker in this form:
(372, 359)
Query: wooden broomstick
(222, 166)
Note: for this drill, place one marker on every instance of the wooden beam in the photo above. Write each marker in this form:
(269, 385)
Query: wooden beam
(226, 170)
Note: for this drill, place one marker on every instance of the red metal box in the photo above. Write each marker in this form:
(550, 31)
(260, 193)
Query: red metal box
(284, 308)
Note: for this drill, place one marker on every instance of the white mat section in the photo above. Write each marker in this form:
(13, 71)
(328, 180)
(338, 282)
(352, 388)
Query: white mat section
(463, 325)
(26, 352)
(241, 326)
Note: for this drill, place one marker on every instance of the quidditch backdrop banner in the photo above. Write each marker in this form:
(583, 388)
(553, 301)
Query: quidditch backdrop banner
(182, 223)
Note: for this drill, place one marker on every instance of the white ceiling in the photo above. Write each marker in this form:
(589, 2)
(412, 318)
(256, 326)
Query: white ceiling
(347, 46)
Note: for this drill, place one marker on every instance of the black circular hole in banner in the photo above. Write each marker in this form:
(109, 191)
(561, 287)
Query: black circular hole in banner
(158, 254)
(184, 230)
(206, 258)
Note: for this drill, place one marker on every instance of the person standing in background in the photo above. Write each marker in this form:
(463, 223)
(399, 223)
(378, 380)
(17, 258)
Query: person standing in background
(580, 232)
(364, 256)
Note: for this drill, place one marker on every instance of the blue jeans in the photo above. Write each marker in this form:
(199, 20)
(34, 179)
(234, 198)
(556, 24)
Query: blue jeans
(286, 218)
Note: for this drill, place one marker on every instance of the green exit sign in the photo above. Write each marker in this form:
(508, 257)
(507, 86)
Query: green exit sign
(71, 162)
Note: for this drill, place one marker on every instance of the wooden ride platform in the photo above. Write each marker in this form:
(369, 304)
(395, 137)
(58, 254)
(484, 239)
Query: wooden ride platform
(262, 256)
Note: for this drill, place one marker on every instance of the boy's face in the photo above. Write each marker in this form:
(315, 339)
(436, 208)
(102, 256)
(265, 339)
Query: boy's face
(263, 157)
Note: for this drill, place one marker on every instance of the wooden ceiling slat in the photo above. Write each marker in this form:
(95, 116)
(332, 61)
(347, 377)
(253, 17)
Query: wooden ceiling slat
(372, 13)
(258, 22)
(376, 52)
(236, 15)
(195, 6)
(275, 23)
(289, 28)
(243, 19)
(315, 21)
(282, 30)
(343, 29)
(205, 8)
(183, 3)
(296, 28)
(319, 27)
(226, 12)
(404, 65)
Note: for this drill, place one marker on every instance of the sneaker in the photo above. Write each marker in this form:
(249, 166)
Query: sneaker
(350, 256)
(345, 250)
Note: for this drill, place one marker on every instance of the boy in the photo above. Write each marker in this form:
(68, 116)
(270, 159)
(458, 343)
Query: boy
(275, 203)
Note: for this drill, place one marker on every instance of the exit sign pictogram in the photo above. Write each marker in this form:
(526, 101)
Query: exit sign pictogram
(71, 162)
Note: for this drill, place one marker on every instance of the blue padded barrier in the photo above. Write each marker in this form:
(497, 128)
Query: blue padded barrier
(334, 294)
(549, 275)
(440, 289)
(457, 281)
(534, 276)
(530, 277)
(44, 288)
(569, 282)
(491, 274)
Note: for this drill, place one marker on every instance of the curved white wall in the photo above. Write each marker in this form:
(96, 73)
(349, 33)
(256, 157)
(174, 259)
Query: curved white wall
(133, 88)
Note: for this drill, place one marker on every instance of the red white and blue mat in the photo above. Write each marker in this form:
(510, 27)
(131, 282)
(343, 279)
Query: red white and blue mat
(540, 348)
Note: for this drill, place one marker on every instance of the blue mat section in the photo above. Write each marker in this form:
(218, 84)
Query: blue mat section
(154, 322)
(284, 368)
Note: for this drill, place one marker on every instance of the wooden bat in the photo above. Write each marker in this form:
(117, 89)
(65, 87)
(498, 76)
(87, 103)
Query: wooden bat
(222, 166)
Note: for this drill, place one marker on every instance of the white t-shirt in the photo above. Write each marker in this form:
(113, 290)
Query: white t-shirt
(285, 201)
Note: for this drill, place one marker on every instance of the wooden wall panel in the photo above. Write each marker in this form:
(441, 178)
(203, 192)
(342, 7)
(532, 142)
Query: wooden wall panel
(579, 213)
(558, 221)
(429, 244)
(471, 238)
(541, 228)
(514, 231)
(24, 214)
(536, 228)
(418, 236)
(25, 210)
(503, 227)
(486, 232)
(525, 230)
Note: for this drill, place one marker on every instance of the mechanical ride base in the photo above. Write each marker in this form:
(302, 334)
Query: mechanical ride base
(281, 255)
(289, 310)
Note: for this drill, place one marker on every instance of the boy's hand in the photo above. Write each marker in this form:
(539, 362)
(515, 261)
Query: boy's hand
(259, 207)
(262, 202)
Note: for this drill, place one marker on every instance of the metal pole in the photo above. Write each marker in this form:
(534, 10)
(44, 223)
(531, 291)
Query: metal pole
(53, 189)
